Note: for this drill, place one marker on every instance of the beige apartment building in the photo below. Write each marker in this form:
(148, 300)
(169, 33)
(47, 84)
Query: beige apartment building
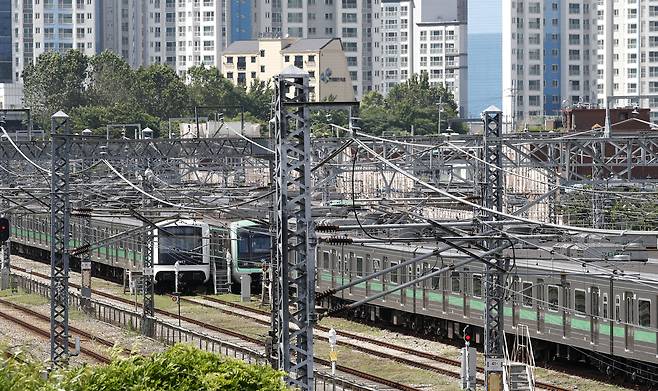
(323, 58)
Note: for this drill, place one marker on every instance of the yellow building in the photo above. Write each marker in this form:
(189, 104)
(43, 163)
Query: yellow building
(322, 58)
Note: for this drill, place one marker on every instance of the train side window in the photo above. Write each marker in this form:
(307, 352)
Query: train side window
(435, 280)
(375, 265)
(419, 273)
(325, 260)
(359, 266)
(579, 301)
(644, 312)
(553, 297)
(594, 302)
(394, 273)
(541, 298)
(605, 306)
(617, 308)
(477, 285)
(526, 293)
(455, 283)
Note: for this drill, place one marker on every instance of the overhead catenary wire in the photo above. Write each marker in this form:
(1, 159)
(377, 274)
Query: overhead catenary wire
(502, 214)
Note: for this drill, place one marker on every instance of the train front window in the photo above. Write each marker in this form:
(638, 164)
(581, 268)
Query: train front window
(182, 244)
(253, 248)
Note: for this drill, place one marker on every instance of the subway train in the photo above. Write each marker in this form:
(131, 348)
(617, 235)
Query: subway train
(207, 254)
(602, 311)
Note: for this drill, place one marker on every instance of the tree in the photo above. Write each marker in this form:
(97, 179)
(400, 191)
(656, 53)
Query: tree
(111, 80)
(55, 82)
(409, 105)
(97, 118)
(160, 92)
(208, 88)
(258, 100)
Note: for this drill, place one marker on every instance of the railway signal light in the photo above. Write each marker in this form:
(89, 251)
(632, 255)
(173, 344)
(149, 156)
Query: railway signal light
(4, 229)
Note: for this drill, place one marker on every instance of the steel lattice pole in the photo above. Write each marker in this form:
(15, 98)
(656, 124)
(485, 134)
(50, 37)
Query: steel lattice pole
(59, 239)
(148, 307)
(295, 255)
(5, 271)
(492, 198)
(85, 261)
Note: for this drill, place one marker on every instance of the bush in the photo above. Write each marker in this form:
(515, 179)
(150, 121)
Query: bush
(181, 368)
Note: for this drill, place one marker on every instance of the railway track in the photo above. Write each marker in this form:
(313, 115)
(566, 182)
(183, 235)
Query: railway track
(46, 333)
(261, 344)
(409, 361)
(395, 347)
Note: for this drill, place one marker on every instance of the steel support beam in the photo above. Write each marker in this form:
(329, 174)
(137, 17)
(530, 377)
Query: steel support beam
(148, 307)
(59, 239)
(294, 263)
(492, 198)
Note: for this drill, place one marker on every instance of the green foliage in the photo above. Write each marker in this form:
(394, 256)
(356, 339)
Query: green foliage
(181, 368)
(160, 92)
(55, 82)
(208, 88)
(97, 117)
(111, 80)
(410, 104)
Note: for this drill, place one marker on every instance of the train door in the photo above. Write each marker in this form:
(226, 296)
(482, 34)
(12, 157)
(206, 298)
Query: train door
(445, 285)
(566, 309)
(367, 267)
(515, 301)
(629, 319)
(541, 304)
(426, 286)
(594, 317)
(466, 292)
(385, 277)
(348, 267)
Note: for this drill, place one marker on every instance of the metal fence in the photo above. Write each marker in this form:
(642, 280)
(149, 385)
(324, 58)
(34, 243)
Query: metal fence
(170, 334)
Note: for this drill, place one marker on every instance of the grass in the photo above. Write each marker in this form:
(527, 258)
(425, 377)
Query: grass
(388, 369)
(347, 325)
(27, 299)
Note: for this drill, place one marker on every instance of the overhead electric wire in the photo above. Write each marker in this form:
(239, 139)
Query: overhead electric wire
(502, 214)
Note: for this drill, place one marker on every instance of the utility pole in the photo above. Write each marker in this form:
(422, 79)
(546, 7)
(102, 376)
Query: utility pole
(5, 271)
(148, 307)
(85, 261)
(293, 274)
(492, 198)
(59, 244)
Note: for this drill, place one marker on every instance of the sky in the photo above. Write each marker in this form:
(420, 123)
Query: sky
(484, 16)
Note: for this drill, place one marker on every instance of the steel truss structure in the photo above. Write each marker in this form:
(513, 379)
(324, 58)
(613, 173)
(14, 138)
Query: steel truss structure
(294, 262)
(492, 198)
(59, 240)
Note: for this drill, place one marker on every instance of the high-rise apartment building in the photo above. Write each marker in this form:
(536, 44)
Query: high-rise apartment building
(45, 25)
(179, 33)
(558, 53)
(425, 36)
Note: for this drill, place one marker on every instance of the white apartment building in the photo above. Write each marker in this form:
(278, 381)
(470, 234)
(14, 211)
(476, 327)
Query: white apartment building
(355, 22)
(179, 33)
(558, 53)
(425, 36)
(44, 25)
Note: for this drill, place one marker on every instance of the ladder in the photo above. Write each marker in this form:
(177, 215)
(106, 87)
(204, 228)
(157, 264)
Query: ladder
(219, 270)
(519, 367)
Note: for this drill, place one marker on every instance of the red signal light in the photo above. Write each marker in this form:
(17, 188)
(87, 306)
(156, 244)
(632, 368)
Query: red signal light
(467, 338)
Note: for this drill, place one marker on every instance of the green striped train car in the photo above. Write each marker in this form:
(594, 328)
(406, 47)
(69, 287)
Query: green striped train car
(188, 245)
(572, 309)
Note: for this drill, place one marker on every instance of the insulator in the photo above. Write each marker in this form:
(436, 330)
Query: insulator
(326, 228)
(81, 250)
(340, 240)
(322, 295)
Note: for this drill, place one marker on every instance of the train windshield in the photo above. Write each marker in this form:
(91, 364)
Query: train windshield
(182, 244)
(253, 248)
